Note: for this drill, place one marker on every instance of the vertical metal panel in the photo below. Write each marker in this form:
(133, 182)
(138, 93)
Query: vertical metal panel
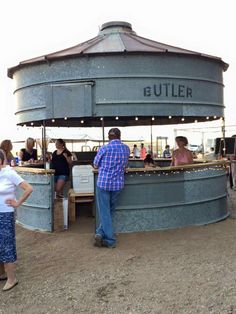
(37, 212)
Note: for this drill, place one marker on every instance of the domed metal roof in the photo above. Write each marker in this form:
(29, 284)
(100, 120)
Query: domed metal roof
(114, 37)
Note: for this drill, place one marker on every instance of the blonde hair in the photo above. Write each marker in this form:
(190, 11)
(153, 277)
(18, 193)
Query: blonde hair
(6, 146)
(29, 139)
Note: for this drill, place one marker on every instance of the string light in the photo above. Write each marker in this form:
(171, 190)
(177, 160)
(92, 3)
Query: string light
(207, 118)
(101, 118)
(182, 119)
(32, 123)
(65, 118)
(117, 118)
(153, 118)
(215, 117)
(82, 121)
(136, 118)
(195, 121)
(53, 120)
(170, 117)
(173, 172)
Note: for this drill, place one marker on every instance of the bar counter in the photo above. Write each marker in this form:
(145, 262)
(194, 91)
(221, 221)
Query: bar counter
(172, 197)
(152, 199)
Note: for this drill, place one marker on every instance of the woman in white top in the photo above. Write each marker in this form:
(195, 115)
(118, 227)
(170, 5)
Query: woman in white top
(9, 180)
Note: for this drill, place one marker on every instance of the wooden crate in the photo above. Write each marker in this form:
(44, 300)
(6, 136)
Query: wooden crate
(74, 198)
(58, 215)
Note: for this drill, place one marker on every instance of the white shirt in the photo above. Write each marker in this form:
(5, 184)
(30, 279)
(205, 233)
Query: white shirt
(136, 152)
(9, 180)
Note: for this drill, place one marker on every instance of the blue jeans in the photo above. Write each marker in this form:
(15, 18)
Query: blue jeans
(106, 204)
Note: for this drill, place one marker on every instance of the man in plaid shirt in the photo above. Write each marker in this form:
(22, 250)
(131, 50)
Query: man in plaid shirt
(111, 161)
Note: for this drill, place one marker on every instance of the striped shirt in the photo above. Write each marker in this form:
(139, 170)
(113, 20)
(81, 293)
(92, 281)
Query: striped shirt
(111, 161)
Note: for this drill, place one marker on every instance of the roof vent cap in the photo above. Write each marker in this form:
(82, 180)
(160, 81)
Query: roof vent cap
(116, 27)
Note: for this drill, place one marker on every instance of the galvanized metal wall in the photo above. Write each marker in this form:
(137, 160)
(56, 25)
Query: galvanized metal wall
(37, 212)
(120, 85)
(155, 201)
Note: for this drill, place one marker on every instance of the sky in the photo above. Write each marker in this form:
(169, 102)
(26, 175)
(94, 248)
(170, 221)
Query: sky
(32, 28)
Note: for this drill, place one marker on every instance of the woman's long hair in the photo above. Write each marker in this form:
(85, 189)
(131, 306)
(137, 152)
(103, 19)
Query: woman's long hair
(29, 140)
(2, 157)
(6, 146)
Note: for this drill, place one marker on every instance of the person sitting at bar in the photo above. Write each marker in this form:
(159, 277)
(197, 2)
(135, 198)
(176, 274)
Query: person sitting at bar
(136, 152)
(6, 146)
(143, 152)
(61, 161)
(149, 150)
(111, 161)
(181, 156)
(167, 152)
(29, 153)
(210, 155)
(148, 161)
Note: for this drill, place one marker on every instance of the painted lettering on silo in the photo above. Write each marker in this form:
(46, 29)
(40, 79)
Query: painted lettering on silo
(168, 90)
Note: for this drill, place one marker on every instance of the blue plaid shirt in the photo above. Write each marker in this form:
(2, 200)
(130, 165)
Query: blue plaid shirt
(111, 161)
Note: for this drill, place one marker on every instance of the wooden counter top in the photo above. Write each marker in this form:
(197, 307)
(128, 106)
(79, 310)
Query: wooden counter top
(176, 168)
(34, 170)
(181, 168)
(128, 170)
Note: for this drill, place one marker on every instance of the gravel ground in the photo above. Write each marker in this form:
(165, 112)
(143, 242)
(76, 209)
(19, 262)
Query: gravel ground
(189, 270)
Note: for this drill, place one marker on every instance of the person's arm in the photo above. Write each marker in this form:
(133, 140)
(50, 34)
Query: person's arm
(27, 188)
(190, 157)
(173, 159)
(68, 158)
(128, 156)
(97, 159)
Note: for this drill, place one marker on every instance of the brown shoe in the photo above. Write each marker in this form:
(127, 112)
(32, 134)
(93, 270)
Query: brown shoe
(9, 286)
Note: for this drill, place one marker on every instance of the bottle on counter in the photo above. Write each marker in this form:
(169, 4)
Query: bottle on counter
(19, 161)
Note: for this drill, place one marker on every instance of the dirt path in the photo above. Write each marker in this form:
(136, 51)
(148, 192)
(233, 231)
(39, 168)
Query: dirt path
(190, 270)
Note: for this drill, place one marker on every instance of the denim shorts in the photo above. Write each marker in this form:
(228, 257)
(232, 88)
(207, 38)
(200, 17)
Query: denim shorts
(61, 177)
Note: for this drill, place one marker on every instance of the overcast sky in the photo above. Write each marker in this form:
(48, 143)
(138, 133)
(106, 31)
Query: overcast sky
(30, 28)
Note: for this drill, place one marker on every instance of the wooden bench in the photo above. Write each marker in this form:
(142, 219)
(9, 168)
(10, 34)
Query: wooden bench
(74, 198)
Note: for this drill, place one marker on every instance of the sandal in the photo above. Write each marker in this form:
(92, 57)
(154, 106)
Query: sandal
(8, 286)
